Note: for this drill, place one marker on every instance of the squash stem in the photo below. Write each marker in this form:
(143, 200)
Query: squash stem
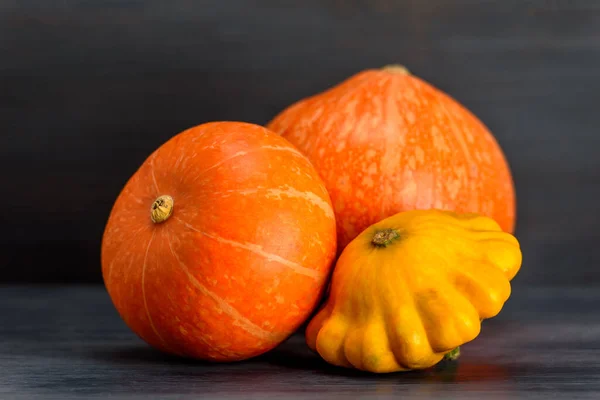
(161, 209)
(396, 68)
(453, 354)
(384, 237)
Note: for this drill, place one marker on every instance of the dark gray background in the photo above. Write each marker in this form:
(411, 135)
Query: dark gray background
(88, 88)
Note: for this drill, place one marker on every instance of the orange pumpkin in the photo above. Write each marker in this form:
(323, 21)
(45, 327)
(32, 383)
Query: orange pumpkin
(385, 141)
(220, 245)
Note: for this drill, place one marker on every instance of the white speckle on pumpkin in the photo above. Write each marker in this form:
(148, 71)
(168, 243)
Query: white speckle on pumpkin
(367, 181)
(453, 187)
(344, 183)
(409, 191)
(372, 170)
(439, 141)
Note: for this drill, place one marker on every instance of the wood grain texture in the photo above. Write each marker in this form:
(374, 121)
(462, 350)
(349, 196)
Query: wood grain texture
(88, 88)
(68, 343)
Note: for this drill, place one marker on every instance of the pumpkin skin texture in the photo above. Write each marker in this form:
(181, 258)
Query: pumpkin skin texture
(385, 141)
(412, 288)
(219, 246)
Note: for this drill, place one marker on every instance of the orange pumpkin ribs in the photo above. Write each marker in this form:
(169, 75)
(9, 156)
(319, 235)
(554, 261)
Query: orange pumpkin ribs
(220, 245)
(385, 141)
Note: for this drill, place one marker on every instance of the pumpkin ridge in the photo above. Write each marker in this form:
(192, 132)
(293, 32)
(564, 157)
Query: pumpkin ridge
(289, 191)
(246, 152)
(223, 161)
(200, 337)
(351, 85)
(391, 112)
(464, 148)
(289, 149)
(309, 196)
(424, 313)
(256, 249)
(153, 174)
(488, 306)
(410, 353)
(332, 351)
(227, 308)
(393, 326)
(144, 264)
(107, 271)
(352, 347)
(446, 298)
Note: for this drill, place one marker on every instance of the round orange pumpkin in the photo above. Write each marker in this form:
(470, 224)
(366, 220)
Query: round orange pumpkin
(385, 141)
(220, 245)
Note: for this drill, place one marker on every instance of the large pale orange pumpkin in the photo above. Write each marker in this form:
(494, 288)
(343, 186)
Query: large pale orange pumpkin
(385, 141)
(220, 245)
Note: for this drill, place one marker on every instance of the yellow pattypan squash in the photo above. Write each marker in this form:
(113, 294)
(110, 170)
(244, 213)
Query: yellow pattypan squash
(412, 288)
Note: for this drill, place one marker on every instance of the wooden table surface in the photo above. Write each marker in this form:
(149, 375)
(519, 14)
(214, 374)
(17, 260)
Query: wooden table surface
(69, 342)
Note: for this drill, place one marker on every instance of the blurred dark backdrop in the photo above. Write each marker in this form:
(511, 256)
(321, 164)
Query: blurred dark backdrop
(88, 88)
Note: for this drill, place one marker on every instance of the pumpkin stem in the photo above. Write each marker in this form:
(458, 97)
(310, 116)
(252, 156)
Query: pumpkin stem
(397, 69)
(453, 354)
(161, 209)
(384, 237)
